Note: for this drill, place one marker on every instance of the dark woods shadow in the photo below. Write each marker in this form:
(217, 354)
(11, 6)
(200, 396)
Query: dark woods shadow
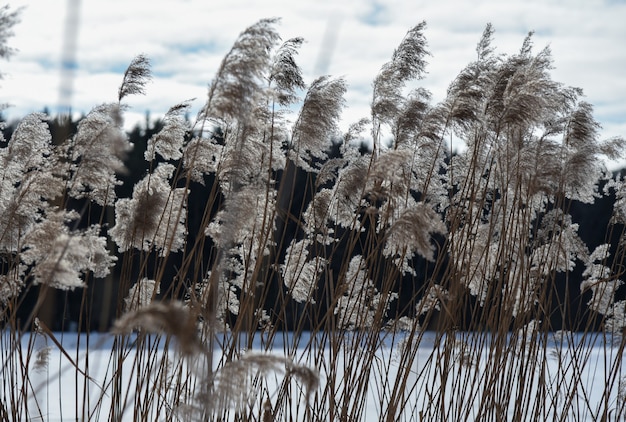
(99, 304)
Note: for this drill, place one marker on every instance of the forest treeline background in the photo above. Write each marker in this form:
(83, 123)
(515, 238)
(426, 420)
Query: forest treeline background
(64, 309)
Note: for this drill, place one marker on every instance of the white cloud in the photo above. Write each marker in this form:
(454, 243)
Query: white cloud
(186, 40)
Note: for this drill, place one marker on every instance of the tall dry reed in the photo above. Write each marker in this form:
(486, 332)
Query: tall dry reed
(410, 278)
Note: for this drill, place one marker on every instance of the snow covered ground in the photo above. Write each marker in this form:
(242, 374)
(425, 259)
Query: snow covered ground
(59, 391)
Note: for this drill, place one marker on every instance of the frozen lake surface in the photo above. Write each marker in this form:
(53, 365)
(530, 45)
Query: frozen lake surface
(577, 377)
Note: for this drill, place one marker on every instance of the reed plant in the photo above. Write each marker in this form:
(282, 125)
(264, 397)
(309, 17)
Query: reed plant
(320, 279)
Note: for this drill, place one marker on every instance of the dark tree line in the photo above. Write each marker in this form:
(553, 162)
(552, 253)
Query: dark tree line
(96, 306)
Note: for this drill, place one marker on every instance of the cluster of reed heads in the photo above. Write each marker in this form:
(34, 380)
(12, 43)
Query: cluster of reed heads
(323, 262)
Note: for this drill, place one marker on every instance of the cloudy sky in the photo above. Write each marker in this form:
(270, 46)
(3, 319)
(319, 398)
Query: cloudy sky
(186, 39)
